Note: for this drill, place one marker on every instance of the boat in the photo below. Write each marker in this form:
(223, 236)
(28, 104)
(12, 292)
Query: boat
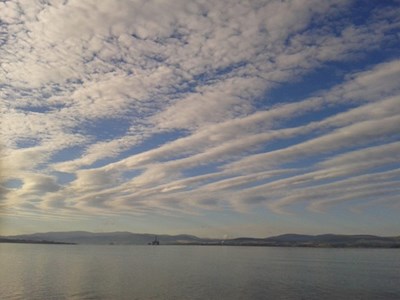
(155, 242)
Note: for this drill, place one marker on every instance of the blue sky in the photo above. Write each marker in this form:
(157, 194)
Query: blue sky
(216, 118)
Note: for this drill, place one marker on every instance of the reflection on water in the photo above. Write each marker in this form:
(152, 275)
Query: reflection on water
(190, 272)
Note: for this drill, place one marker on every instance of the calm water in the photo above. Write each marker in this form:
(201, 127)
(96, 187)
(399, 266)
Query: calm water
(195, 272)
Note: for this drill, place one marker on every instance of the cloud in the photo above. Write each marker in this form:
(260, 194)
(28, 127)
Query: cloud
(347, 137)
(359, 188)
(138, 106)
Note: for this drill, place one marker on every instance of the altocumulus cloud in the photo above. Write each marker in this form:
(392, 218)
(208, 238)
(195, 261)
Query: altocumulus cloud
(187, 107)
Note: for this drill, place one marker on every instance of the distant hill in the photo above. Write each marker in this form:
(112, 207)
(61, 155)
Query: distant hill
(286, 240)
(116, 238)
(324, 240)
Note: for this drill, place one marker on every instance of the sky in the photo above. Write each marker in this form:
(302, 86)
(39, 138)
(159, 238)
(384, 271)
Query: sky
(219, 118)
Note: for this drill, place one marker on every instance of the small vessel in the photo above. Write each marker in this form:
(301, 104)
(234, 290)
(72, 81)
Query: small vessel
(155, 242)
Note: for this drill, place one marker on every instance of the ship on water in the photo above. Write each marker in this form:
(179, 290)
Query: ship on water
(155, 242)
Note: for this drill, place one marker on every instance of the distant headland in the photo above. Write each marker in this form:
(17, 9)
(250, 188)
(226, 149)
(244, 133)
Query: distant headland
(27, 241)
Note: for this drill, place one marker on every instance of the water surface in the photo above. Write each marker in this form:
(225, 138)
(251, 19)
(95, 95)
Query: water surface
(196, 272)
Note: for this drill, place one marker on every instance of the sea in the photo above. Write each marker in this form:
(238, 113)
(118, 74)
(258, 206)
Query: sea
(29, 271)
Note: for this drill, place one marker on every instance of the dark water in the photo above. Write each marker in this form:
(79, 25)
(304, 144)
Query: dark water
(195, 272)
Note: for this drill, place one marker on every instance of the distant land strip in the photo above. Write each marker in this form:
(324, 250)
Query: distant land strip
(128, 238)
(18, 241)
